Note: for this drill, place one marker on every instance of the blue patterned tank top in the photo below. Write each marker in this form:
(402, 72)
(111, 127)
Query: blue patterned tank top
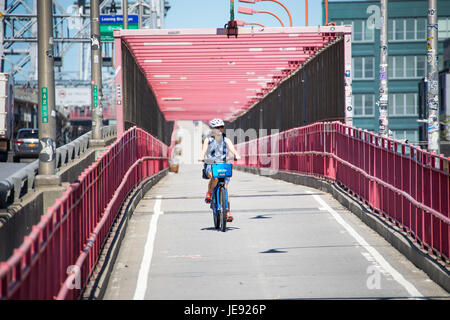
(216, 150)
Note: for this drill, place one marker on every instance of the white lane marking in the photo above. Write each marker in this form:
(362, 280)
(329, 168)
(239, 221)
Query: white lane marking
(375, 254)
(144, 270)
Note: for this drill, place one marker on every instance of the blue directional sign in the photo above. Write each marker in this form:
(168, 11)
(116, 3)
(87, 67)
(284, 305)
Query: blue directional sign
(118, 19)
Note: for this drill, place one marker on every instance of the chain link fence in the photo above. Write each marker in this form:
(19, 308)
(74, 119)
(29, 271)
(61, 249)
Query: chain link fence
(140, 107)
(316, 92)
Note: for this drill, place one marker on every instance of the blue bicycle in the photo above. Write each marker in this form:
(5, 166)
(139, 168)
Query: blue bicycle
(219, 200)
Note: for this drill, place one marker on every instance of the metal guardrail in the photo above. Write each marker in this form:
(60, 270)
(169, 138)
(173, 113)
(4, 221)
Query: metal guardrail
(17, 185)
(67, 241)
(403, 183)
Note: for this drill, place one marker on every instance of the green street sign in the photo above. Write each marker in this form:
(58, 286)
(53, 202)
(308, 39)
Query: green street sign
(106, 31)
(44, 103)
(108, 23)
(95, 97)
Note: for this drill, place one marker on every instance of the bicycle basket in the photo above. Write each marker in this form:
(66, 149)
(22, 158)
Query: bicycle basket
(222, 170)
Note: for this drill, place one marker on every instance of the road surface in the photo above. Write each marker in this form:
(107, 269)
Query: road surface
(287, 242)
(9, 168)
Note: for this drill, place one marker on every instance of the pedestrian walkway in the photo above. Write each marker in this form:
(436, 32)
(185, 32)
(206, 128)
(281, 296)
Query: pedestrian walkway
(286, 242)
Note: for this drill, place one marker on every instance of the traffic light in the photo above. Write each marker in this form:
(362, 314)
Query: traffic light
(232, 28)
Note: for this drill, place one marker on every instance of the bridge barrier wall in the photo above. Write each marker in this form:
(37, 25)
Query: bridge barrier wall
(21, 213)
(58, 256)
(16, 186)
(404, 183)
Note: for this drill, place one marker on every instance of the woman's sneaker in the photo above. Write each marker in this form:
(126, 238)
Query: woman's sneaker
(229, 217)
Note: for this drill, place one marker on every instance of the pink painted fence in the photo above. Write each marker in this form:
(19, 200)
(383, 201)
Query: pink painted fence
(58, 256)
(406, 184)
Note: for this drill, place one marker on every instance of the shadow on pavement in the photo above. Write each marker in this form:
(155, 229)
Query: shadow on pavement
(239, 196)
(214, 229)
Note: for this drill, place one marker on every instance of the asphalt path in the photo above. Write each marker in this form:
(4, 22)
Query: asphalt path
(287, 242)
(9, 168)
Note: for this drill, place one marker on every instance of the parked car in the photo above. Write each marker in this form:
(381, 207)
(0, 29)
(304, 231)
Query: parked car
(26, 145)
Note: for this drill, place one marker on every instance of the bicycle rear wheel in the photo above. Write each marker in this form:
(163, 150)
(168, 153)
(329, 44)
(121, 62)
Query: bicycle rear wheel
(223, 212)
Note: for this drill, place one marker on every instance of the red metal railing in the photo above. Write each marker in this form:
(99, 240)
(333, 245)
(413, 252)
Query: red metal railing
(404, 183)
(86, 114)
(66, 243)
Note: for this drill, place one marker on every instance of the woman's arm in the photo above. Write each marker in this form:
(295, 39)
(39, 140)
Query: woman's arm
(232, 149)
(204, 149)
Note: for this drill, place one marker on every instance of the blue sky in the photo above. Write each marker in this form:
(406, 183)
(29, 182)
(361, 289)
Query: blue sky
(215, 13)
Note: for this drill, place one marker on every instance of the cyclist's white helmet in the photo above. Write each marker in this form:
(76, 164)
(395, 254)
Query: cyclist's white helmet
(214, 123)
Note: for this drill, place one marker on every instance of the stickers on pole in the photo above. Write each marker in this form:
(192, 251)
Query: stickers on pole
(44, 103)
(383, 72)
(47, 150)
(95, 42)
(348, 95)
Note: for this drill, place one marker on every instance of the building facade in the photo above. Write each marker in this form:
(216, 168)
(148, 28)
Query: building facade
(407, 49)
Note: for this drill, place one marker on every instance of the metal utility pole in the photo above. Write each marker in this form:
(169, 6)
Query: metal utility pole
(2, 32)
(46, 111)
(433, 79)
(140, 14)
(231, 10)
(306, 12)
(96, 74)
(383, 106)
(125, 13)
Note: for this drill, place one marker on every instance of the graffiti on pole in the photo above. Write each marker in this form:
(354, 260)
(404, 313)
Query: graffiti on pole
(432, 96)
(383, 107)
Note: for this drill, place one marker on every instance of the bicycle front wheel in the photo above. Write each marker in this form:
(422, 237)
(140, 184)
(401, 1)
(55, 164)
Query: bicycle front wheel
(223, 211)
(216, 215)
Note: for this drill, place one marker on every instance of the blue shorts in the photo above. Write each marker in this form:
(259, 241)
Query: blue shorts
(207, 169)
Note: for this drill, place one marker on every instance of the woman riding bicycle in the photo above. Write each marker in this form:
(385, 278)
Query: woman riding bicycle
(216, 147)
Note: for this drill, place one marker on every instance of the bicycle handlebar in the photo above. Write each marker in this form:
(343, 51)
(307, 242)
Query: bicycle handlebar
(209, 161)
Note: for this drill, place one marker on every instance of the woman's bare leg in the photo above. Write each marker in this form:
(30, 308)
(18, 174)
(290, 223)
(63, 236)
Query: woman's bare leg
(212, 183)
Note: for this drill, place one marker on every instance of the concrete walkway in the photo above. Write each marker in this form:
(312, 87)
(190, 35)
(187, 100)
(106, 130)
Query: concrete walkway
(287, 241)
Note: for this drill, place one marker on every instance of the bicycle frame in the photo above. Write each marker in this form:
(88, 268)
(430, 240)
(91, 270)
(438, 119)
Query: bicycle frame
(215, 203)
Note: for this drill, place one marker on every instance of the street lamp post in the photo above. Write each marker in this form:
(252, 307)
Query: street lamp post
(276, 1)
(306, 12)
(241, 23)
(231, 10)
(250, 11)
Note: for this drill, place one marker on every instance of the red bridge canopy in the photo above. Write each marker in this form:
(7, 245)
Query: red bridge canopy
(199, 74)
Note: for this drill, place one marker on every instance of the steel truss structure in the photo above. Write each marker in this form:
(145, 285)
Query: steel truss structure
(18, 34)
